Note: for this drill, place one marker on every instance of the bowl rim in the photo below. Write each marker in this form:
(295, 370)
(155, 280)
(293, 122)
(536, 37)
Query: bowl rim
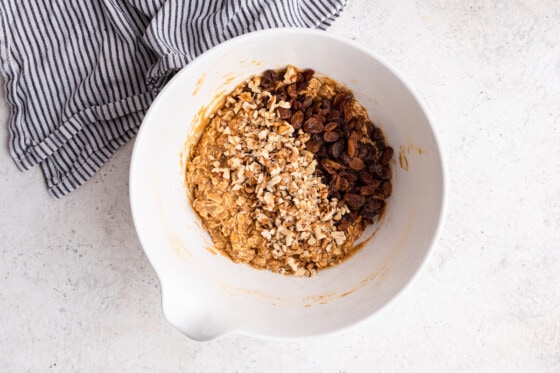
(340, 39)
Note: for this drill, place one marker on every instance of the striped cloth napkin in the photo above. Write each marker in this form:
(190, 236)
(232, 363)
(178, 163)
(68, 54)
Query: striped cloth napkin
(80, 75)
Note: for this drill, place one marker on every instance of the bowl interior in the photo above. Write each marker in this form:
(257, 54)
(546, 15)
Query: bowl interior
(204, 293)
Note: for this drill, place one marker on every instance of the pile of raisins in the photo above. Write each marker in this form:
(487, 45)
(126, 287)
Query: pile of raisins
(353, 158)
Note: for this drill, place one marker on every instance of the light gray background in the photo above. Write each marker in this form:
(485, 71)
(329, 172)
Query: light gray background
(77, 293)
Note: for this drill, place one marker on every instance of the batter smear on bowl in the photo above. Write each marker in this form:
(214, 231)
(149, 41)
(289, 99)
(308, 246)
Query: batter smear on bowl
(288, 172)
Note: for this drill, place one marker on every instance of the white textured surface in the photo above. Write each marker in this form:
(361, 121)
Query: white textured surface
(77, 293)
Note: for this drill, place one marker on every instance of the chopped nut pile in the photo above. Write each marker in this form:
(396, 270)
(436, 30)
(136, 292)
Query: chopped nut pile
(261, 186)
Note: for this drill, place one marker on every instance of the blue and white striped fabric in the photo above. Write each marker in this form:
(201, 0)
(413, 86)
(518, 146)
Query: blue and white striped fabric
(79, 75)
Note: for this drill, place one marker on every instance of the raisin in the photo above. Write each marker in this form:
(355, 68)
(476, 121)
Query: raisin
(386, 188)
(332, 186)
(331, 126)
(330, 136)
(308, 74)
(281, 96)
(312, 125)
(320, 118)
(368, 178)
(386, 156)
(317, 137)
(323, 152)
(345, 129)
(337, 148)
(292, 91)
(354, 201)
(368, 190)
(340, 183)
(347, 112)
(322, 107)
(344, 224)
(302, 85)
(337, 184)
(377, 134)
(368, 152)
(370, 128)
(349, 175)
(359, 125)
(307, 101)
(345, 158)
(356, 164)
(270, 75)
(372, 205)
(331, 166)
(308, 112)
(270, 78)
(284, 113)
(333, 116)
(341, 97)
(352, 143)
(376, 170)
(297, 119)
(337, 100)
(313, 146)
(386, 173)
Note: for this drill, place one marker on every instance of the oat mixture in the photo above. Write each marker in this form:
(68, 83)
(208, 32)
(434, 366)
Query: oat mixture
(279, 176)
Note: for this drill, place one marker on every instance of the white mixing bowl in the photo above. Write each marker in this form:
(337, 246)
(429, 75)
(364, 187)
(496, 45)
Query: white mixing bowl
(205, 294)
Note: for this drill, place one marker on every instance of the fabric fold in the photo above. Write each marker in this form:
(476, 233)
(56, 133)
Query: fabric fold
(79, 76)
